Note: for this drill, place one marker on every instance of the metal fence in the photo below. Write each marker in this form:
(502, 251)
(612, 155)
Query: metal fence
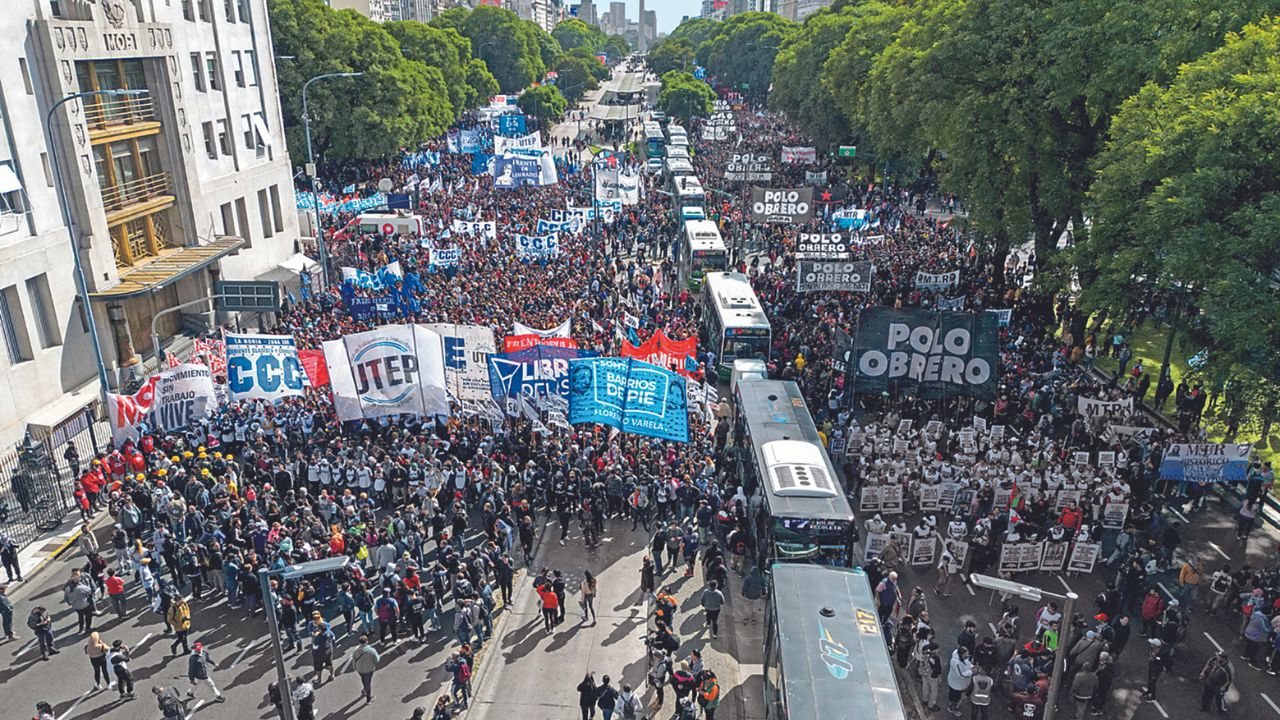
(38, 477)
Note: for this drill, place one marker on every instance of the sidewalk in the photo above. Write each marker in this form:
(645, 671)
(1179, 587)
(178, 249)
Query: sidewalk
(35, 555)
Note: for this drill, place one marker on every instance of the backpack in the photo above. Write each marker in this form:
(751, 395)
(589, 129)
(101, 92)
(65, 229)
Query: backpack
(170, 706)
(629, 709)
(33, 620)
(464, 672)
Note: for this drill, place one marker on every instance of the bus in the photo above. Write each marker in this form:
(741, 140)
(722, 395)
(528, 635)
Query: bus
(678, 168)
(688, 198)
(824, 651)
(654, 141)
(799, 510)
(678, 152)
(701, 252)
(733, 321)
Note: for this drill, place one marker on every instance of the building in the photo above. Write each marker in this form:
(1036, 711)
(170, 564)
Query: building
(615, 22)
(166, 192)
(798, 10)
(542, 12)
(417, 10)
(587, 12)
(375, 10)
(648, 29)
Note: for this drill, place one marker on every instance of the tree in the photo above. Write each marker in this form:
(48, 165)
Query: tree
(543, 102)
(616, 47)
(511, 48)
(684, 96)
(575, 75)
(695, 31)
(1187, 202)
(741, 52)
(574, 33)
(798, 89)
(446, 49)
(671, 55)
(548, 48)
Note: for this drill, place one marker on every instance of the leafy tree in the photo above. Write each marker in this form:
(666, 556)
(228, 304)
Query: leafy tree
(671, 55)
(510, 47)
(548, 48)
(398, 101)
(447, 50)
(741, 52)
(798, 89)
(1187, 203)
(575, 75)
(684, 96)
(574, 33)
(543, 102)
(695, 31)
(617, 47)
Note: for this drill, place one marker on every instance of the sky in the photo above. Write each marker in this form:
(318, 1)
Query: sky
(669, 11)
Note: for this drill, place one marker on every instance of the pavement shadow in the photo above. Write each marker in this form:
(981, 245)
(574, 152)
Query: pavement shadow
(529, 633)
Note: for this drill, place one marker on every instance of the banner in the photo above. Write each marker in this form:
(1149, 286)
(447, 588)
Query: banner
(606, 183)
(1020, 557)
(1083, 556)
(313, 364)
(853, 219)
(264, 367)
(487, 229)
(822, 246)
(923, 550)
(466, 359)
(511, 125)
(365, 308)
(1099, 408)
(383, 279)
(1205, 462)
(933, 354)
(781, 205)
(169, 401)
(874, 544)
(793, 155)
(955, 303)
(390, 370)
(539, 370)
(504, 145)
(562, 330)
(516, 343)
(554, 227)
(816, 179)
(630, 395)
(1054, 556)
(514, 171)
(537, 247)
(1003, 316)
(629, 187)
(817, 275)
(463, 141)
(446, 257)
(748, 167)
(937, 281)
(211, 352)
(678, 356)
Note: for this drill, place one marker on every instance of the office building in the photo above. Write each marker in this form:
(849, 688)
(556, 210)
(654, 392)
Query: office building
(375, 10)
(166, 192)
(587, 12)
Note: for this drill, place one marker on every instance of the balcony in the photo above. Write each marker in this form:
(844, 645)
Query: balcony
(137, 196)
(111, 118)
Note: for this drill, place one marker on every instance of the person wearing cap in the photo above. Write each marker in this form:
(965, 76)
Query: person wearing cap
(179, 619)
(198, 666)
(1216, 676)
(1158, 660)
(322, 641)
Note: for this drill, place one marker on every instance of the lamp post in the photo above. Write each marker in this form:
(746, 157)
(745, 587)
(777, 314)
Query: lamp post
(315, 567)
(1034, 594)
(67, 220)
(311, 170)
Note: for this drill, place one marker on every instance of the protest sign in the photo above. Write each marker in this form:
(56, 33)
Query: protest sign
(1205, 462)
(382, 279)
(923, 550)
(513, 171)
(536, 371)
(947, 498)
(537, 247)
(937, 281)
(516, 343)
(874, 545)
(901, 446)
(1054, 556)
(749, 167)
(891, 500)
(1114, 514)
(1083, 557)
(822, 276)
(1080, 458)
(795, 155)
(674, 355)
(816, 179)
(504, 145)
(263, 367)
(1002, 498)
(930, 497)
(933, 354)
(1097, 408)
(869, 499)
(446, 257)
(1003, 316)
(511, 125)
(630, 395)
(368, 308)
(1067, 498)
(487, 229)
(822, 246)
(1106, 458)
(167, 402)
(781, 205)
(959, 550)
(1123, 433)
(572, 226)
(391, 370)
(466, 359)
(955, 303)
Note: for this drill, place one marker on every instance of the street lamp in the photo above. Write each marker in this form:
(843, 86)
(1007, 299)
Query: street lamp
(315, 567)
(311, 162)
(81, 284)
(1034, 594)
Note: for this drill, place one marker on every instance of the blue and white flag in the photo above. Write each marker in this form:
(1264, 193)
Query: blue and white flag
(537, 247)
(481, 164)
(381, 280)
(545, 227)
(512, 124)
(539, 370)
(1205, 462)
(1003, 316)
(263, 367)
(630, 395)
(955, 303)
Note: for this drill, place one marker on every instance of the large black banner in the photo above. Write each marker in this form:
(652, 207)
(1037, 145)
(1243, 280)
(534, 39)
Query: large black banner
(822, 246)
(927, 353)
(781, 205)
(820, 275)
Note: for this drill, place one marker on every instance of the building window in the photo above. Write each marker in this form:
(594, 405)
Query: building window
(244, 10)
(210, 144)
(238, 67)
(26, 76)
(42, 305)
(264, 214)
(242, 212)
(48, 169)
(251, 67)
(140, 238)
(55, 8)
(228, 219)
(14, 327)
(276, 214)
(224, 138)
(12, 197)
(197, 71)
(215, 77)
(231, 10)
(188, 13)
(205, 14)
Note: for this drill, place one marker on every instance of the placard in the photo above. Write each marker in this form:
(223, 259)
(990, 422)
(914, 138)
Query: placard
(923, 550)
(980, 424)
(891, 499)
(837, 446)
(904, 426)
(960, 550)
(1083, 556)
(1114, 514)
(933, 429)
(947, 500)
(997, 432)
(869, 500)
(904, 541)
(930, 498)
(1080, 458)
(874, 545)
(1106, 458)
(967, 439)
(1030, 554)
(1002, 498)
(901, 446)
(1067, 497)
(1054, 556)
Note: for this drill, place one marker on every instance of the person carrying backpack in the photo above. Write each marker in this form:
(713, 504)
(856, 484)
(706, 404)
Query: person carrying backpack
(169, 702)
(606, 698)
(629, 706)
(709, 694)
(461, 670)
(42, 625)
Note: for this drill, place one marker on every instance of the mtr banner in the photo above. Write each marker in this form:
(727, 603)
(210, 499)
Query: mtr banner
(395, 369)
(926, 353)
(630, 395)
(263, 367)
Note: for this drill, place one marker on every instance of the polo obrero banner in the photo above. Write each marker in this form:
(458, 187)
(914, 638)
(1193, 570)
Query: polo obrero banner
(926, 353)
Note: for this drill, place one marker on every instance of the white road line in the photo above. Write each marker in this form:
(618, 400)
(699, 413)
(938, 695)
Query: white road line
(1184, 519)
(196, 707)
(1221, 552)
(343, 670)
(30, 644)
(1270, 702)
(1165, 589)
(969, 587)
(1064, 583)
(245, 651)
(79, 700)
(143, 641)
(1160, 708)
(1214, 642)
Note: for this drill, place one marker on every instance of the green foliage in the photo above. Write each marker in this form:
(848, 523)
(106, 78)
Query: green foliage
(543, 102)
(695, 31)
(671, 55)
(446, 49)
(513, 49)
(548, 48)
(576, 75)
(798, 89)
(399, 101)
(574, 33)
(741, 52)
(685, 96)
(617, 47)
(1187, 203)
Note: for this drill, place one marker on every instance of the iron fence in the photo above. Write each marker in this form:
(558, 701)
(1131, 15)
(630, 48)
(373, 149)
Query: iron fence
(38, 477)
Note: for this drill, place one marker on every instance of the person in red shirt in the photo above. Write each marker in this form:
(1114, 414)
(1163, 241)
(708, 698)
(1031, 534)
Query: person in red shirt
(115, 591)
(550, 605)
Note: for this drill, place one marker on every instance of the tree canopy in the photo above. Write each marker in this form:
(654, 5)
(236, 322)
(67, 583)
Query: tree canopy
(741, 51)
(514, 50)
(671, 55)
(685, 96)
(544, 102)
(469, 82)
(576, 74)
(798, 89)
(574, 33)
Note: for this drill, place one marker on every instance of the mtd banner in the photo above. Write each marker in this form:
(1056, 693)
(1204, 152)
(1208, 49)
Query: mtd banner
(263, 367)
(630, 395)
(781, 205)
(391, 370)
(933, 354)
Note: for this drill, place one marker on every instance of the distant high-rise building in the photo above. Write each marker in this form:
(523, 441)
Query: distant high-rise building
(587, 12)
(375, 10)
(648, 28)
(617, 19)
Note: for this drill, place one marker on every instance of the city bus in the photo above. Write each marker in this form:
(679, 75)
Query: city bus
(733, 322)
(701, 251)
(654, 141)
(799, 511)
(677, 152)
(678, 168)
(824, 652)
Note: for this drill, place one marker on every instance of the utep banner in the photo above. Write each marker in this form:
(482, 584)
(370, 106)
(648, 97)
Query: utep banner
(167, 402)
(662, 351)
(934, 354)
(504, 145)
(511, 125)
(540, 370)
(819, 276)
(781, 205)
(792, 155)
(630, 395)
(1205, 462)
(537, 247)
(263, 367)
(466, 359)
(822, 246)
(937, 281)
(391, 370)
(516, 343)
(562, 330)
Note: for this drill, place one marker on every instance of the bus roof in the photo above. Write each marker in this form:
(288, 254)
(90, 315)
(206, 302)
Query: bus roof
(775, 410)
(678, 166)
(689, 185)
(735, 301)
(820, 611)
(703, 235)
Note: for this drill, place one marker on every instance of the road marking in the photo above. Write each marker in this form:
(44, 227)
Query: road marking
(1270, 702)
(1221, 552)
(142, 642)
(1160, 708)
(1215, 642)
(1165, 589)
(993, 628)
(79, 700)
(1064, 583)
(245, 651)
(1184, 519)
(201, 702)
(343, 670)
(30, 644)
